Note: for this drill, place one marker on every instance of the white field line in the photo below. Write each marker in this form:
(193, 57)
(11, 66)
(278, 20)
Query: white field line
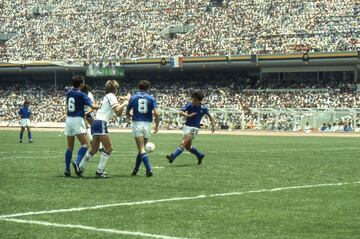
(172, 199)
(29, 157)
(49, 224)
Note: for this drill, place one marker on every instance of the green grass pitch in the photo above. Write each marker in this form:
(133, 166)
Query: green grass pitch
(32, 180)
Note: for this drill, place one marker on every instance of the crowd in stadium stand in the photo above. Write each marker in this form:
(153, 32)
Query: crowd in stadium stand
(108, 30)
(47, 104)
(233, 106)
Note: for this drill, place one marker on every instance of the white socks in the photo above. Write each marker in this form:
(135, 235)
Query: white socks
(103, 160)
(85, 160)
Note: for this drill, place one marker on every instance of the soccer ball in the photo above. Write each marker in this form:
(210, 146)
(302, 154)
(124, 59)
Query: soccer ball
(149, 147)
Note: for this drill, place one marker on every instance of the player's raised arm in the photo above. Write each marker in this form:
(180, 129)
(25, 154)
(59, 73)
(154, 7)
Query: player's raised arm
(124, 98)
(120, 108)
(94, 106)
(183, 114)
(124, 103)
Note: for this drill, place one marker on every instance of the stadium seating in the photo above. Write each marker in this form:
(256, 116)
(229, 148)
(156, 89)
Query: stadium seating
(97, 30)
(171, 96)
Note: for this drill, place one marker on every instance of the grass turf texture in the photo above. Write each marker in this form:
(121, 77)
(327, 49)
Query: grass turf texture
(32, 180)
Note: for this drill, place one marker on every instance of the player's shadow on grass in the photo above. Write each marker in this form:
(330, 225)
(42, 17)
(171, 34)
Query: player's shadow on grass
(182, 165)
(91, 177)
(62, 176)
(121, 176)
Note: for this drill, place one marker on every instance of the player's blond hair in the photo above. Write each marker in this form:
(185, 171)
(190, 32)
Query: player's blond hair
(112, 86)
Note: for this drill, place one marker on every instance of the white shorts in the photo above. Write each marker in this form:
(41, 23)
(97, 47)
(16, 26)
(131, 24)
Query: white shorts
(25, 122)
(141, 128)
(74, 126)
(190, 130)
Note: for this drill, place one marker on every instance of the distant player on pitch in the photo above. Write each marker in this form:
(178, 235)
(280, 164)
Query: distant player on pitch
(109, 106)
(193, 113)
(143, 107)
(25, 114)
(75, 124)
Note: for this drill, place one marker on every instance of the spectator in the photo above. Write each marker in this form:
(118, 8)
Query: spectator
(323, 128)
(233, 105)
(296, 128)
(96, 30)
(357, 128)
(307, 128)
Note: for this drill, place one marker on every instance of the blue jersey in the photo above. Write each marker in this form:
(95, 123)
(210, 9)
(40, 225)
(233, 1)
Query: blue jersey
(142, 105)
(200, 112)
(75, 102)
(25, 112)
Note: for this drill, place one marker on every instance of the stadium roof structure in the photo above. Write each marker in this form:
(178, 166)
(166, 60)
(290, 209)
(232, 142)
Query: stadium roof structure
(305, 110)
(335, 61)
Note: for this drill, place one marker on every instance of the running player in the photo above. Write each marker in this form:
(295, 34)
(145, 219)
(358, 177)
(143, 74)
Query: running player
(193, 113)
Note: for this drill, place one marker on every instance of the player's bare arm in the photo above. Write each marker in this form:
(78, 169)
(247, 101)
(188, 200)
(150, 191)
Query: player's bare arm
(213, 123)
(156, 120)
(94, 106)
(89, 111)
(184, 114)
(120, 108)
(129, 115)
(123, 102)
(125, 98)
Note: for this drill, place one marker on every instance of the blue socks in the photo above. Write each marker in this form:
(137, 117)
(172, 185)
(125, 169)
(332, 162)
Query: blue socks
(144, 157)
(81, 153)
(22, 135)
(177, 152)
(193, 150)
(138, 162)
(196, 152)
(68, 156)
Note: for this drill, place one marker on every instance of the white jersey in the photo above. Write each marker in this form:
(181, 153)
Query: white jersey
(106, 111)
(90, 95)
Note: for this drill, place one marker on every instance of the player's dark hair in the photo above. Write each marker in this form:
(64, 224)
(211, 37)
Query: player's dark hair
(85, 88)
(198, 95)
(144, 85)
(77, 80)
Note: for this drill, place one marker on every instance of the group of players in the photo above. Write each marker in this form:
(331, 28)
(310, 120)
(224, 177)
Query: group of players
(141, 108)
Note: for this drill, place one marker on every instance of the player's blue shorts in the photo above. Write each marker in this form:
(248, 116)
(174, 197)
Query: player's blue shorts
(99, 127)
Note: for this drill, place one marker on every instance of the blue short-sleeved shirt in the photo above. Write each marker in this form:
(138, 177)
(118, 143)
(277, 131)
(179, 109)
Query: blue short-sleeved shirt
(75, 102)
(25, 112)
(200, 112)
(142, 105)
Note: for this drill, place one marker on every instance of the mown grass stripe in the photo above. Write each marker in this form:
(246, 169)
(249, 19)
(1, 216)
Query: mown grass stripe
(173, 199)
(106, 230)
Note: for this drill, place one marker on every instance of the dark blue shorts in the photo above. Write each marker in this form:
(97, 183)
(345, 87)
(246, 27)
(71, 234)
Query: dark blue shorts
(99, 127)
